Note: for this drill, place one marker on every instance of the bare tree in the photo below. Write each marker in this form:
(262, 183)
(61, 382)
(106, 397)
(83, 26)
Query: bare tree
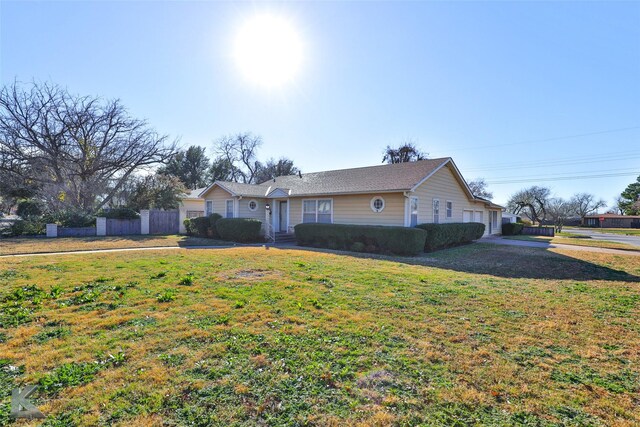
(479, 188)
(616, 208)
(531, 201)
(406, 152)
(585, 204)
(77, 150)
(559, 210)
(272, 169)
(239, 153)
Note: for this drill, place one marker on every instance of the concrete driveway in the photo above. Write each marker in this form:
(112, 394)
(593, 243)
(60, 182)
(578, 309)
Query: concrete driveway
(596, 235)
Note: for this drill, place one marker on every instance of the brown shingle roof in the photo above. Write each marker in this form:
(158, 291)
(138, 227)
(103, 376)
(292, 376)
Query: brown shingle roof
(370, 179)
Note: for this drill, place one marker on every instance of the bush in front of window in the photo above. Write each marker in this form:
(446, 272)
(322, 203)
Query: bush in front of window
(512, 228)
(242, 230)
(188, 226)
(362, 238)
(200, 226)
(441, 236)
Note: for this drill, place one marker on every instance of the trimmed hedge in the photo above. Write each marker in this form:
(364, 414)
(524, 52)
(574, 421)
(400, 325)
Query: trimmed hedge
(242, 230)
(199, 226)
(511, 228)
(441, 236)
(213, 219)
(362, 238)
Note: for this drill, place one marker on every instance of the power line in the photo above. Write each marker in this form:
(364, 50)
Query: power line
(566, 178)
(634, 170)
(559, 162)
(537, 141)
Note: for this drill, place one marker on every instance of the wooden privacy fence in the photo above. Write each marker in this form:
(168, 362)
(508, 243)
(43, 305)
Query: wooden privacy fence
(150, 222)
(538, 231)
(122, 227)
(76, 231)
(164, 222)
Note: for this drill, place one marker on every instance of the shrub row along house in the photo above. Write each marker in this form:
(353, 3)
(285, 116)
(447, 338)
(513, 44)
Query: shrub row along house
(401, 194)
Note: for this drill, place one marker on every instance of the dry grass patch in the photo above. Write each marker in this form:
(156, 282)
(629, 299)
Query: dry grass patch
(477, 335)
(19, 245)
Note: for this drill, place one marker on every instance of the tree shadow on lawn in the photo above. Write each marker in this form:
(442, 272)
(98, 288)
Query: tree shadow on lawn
(514, 262)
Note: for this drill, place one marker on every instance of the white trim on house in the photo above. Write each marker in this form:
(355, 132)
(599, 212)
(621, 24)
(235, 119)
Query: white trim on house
(417, 210)
(226, 208)
(430, 175)
(316, 200)
(373, 208)
(448, 217)
(277, 193)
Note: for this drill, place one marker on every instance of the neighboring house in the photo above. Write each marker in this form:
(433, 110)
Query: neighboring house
(402, 194)
(611, 221)
(191, 206)
(508, 218)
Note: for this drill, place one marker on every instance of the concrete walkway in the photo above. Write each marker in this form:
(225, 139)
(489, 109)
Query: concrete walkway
(496, 240)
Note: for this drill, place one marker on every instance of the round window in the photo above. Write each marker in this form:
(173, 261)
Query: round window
(253, 205)
(377, 204)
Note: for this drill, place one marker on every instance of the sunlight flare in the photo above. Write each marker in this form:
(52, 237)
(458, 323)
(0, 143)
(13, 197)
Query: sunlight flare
(268, 50)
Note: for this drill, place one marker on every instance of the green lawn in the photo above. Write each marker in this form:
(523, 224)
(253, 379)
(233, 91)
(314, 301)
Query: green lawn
(478, 335)
(568, 239)
(19, 245)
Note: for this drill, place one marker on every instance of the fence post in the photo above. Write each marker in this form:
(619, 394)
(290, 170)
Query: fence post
(101, 226)
(144, 221)
(52, 230)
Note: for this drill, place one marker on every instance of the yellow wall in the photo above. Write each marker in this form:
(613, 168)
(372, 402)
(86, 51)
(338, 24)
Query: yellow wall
(356, 209)
(219, 197)
(444, 187)
(189, 205)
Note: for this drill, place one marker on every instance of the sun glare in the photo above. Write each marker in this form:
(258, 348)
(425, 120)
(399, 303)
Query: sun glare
(268, 50)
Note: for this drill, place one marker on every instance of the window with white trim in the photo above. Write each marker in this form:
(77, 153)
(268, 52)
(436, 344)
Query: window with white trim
(319, 210)
(195, 214)
(449, 209)
(413, 211)
(377, 204)
(436, 211)
(229, 210)
(209, 207)
(494, 219)
(252, 205)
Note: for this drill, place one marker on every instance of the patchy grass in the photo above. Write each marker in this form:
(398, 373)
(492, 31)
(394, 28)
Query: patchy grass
(623, 231)
(476, 335)
(576, 241)
(15, 246)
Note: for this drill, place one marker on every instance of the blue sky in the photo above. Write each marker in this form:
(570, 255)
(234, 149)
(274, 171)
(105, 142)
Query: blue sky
(510, 90)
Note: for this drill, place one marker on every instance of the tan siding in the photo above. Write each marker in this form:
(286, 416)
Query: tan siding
(245, 212)
(218, 196)
(356, 209)
(444, 186)
(188, 205)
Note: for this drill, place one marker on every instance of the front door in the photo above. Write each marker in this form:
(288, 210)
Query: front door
(282, 216)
